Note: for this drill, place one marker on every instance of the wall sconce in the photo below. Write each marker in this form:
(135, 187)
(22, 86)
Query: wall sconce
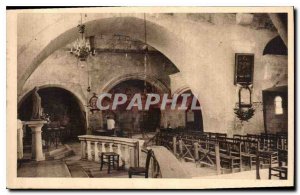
(244, 111)
(244, 71)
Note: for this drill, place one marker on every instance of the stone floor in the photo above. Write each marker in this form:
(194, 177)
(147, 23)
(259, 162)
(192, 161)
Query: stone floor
(84, 168)
(51, 168)
(264, 175)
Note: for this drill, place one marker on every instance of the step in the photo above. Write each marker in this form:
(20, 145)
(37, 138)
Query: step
(56, 151)
(64, 154)
(77, 171)
(59, 153)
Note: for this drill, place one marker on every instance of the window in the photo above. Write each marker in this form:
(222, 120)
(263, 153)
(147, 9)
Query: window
(278, 105)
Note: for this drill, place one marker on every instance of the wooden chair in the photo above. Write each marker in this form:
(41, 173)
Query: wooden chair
(239, 137)
(282, 141)
(249, 151)
(230, 154)
(268, 141)
(206, 153)
(281, 169)
(141, 170)
(111, 159)
(253, 137)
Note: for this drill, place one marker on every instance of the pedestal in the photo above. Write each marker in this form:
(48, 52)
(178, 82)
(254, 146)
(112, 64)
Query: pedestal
(36, 146)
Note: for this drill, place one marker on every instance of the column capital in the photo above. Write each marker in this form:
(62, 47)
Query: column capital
(35, 123)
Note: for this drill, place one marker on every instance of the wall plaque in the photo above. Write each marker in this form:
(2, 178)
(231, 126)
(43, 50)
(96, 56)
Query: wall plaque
(244, 66)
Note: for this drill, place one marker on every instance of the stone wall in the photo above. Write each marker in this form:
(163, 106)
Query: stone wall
(101, 72)
(275, 122)
(203, 51)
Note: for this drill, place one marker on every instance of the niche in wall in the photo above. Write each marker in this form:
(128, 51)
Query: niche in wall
(275, 102)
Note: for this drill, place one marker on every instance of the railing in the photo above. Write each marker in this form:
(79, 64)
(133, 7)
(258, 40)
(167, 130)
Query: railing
(128, 149)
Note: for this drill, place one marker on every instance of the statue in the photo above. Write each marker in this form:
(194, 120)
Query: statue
(37, 108)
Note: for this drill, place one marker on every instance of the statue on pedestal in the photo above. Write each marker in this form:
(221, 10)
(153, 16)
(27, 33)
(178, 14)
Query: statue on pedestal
(36, 108)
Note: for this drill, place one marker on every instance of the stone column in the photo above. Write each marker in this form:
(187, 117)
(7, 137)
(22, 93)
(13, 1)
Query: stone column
(20, 139)
(120, 154)
(111, 147)
(36, 146)
(139, 151)
(89, 150)
(127, 157)
(83, 149)
(96, 151)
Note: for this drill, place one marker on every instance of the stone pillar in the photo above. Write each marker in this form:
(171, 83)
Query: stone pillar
(132, 157)
(83, 149)
(20, 139)
(36, 147)
(127, 157)
(119, 151)
(96, 151)
(103, 147)
(139, 151)
(89, 150)
(111, 147)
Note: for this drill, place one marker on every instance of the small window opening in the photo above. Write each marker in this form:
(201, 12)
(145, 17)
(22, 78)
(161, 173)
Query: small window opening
(278, 105)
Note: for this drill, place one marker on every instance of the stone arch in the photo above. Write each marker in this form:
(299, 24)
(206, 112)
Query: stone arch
(162, 34)
(181, 90)
(158, 37)
(72, 115)
(153, 114)
(139, 76)
(197, 113)
(275, 46)
(78, 97)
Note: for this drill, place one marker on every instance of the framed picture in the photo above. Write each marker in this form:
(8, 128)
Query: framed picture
(244, 67)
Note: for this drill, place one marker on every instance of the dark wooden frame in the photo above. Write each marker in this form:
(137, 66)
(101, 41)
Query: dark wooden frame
(236, 81)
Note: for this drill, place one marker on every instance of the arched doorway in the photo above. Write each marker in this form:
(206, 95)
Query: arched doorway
(63, 107)
(135, 120)
(193, 118)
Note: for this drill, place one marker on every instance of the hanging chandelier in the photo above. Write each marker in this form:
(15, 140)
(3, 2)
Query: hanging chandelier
(145, 92)
(82, 46)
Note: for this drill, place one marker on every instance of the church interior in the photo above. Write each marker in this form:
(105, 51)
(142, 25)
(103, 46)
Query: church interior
(235, 64)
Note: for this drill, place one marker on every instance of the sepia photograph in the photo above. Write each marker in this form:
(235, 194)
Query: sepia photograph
(150, 98)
